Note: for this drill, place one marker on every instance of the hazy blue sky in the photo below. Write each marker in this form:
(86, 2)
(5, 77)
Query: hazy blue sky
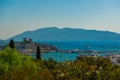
(17, 16)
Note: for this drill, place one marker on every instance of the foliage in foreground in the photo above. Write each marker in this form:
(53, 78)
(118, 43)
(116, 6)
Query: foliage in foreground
(14, 66)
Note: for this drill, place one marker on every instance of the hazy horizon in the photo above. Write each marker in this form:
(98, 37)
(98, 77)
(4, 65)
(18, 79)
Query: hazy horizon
(17, 16)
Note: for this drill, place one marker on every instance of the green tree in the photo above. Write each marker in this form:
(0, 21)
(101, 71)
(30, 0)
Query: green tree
(12, 44)
(38, 55)
(16, 66)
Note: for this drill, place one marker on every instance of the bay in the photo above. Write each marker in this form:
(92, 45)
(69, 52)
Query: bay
(81, 45)
(57, 56)
(84, 45)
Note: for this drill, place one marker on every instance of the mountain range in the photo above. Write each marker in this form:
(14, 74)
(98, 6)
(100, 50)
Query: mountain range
(67, 34)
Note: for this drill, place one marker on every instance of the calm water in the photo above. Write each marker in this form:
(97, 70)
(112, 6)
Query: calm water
(60, 57)
(82, 45)
(85, 45)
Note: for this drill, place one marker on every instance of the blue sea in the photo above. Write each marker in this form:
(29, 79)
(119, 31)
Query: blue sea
(85, 45)
(60, 57)
(81, 45)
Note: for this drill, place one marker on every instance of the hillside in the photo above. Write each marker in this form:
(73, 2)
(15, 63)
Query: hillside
(67, 34)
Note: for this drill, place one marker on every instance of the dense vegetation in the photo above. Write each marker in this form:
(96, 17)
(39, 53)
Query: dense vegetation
(14, 66)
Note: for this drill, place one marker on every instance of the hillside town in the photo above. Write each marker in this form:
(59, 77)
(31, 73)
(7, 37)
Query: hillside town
(28, 46)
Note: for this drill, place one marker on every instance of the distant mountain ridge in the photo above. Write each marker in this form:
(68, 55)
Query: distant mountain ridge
(68, 34)
(1, 40)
